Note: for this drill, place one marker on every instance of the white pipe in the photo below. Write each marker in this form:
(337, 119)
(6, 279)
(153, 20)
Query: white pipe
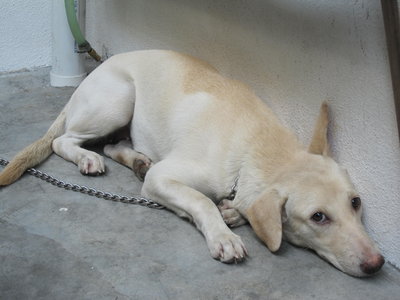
(67, 66)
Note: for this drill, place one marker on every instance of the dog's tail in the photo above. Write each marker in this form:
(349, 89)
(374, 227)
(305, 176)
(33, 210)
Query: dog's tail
(34, 154)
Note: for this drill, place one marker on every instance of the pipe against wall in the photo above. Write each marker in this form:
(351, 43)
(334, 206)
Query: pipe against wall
(67, 65)
(83, 44)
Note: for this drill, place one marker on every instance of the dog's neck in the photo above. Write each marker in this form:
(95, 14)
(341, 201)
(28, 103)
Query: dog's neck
(251, 184)
(256, 177)
(268, 153)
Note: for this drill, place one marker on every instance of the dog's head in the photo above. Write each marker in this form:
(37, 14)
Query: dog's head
(315, 205)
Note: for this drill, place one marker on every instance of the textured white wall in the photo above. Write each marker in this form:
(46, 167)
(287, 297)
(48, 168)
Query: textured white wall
(25, 34)
(294, 54)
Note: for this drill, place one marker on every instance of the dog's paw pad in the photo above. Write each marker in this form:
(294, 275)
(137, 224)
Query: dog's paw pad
(92, 165)
(141, 166)
(228, 248)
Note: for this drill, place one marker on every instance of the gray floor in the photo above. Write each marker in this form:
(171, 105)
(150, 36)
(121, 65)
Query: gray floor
(56, 244)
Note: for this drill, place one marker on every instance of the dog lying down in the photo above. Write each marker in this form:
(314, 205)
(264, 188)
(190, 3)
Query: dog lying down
(200, 132)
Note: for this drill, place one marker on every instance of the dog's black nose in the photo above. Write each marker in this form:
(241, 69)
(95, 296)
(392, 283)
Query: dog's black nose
(373, 264)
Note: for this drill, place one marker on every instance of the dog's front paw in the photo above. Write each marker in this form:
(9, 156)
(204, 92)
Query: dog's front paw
(91, 164)
(227, 247)
(231, 215)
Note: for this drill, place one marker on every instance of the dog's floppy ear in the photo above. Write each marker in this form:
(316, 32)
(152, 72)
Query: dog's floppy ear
(319, 142)
(264, 216)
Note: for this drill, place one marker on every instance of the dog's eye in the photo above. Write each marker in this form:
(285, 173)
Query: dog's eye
(356, 202)
(319, 218)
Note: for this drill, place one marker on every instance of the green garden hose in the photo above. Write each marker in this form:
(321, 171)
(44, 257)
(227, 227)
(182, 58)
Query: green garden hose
(82, 43)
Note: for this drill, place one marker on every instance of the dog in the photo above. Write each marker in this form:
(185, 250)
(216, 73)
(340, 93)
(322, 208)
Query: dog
(195, 133)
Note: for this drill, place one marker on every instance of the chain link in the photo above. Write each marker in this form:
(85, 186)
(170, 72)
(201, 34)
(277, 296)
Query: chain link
(138, 200)
(233, 192)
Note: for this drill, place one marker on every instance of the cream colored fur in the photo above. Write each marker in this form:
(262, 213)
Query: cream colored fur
(199, 131)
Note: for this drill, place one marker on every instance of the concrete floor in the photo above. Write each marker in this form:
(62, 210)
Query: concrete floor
(56, 244)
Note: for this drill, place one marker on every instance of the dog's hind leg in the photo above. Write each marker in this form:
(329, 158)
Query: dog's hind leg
(124, 153)
(102, 104)
(69, 147)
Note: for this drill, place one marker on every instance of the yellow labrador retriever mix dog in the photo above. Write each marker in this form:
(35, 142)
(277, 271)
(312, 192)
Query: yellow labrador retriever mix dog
(203, 132)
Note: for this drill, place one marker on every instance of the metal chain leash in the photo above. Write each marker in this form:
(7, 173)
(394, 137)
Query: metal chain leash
(138, 200)
(234, 187)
